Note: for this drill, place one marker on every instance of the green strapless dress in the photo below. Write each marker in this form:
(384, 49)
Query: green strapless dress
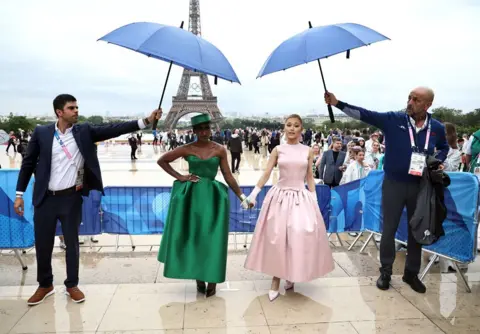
(195, 238)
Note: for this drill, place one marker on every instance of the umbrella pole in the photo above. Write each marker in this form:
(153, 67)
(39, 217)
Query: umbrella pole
(165, 85)
(155, 122)
(330, 110)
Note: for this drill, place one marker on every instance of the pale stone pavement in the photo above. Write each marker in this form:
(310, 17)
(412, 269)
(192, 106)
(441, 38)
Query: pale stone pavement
(127, 293)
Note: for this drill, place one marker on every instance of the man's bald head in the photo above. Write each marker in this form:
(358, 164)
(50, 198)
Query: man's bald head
(419, 100)
(426, 93)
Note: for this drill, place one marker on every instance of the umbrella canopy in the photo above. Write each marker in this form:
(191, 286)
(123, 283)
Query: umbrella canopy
(317, 43)
(175, 45)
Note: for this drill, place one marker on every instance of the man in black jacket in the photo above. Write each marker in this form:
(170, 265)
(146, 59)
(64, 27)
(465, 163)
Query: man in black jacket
(132, 141)
(236, 150)
(64, 157)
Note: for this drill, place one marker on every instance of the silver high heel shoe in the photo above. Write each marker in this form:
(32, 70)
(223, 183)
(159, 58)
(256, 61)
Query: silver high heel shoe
(272, 295)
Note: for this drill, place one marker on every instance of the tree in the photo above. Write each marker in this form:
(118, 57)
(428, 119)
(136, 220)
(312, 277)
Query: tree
(444, 114)
(466, 123)
(96, 120)
(17, 122)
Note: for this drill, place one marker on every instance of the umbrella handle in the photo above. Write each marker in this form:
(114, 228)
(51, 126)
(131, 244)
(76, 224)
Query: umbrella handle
(155, 121)
(330, 114)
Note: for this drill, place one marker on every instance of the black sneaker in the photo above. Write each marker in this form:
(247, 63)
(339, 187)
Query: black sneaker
(414, 283)
(383, 282)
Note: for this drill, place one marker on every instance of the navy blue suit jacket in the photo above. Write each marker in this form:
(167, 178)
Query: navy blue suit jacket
(38, 158)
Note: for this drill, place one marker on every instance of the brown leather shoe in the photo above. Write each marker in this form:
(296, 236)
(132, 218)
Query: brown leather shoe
(40, 295)
(76, 295)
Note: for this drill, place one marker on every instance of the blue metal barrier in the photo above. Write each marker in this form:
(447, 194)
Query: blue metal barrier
(347, 203)
(15, 231)
(135, 210)
(355, 206)
(461, 200)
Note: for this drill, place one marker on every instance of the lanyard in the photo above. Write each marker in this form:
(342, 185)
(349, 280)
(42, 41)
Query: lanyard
(64, 147)
(412, 139)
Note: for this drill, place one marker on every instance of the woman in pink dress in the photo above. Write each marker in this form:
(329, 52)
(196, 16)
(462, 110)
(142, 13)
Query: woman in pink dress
(290, 240)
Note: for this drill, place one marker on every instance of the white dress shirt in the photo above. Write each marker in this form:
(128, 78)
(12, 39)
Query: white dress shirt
(64, 171)
(417, 130)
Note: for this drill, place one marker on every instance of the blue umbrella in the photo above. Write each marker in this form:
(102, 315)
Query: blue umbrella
(173, 45)
(317, 43)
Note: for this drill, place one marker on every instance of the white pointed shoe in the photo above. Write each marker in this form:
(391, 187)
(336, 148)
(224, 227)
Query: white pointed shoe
(272, 295)
(289, 285)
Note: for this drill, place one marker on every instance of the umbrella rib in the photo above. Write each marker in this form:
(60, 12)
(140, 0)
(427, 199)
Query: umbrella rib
(199, 50)
(147, 39)
(364, 44)
(306, 57)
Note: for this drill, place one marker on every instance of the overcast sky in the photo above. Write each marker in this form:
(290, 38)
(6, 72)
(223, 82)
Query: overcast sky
(50, 47)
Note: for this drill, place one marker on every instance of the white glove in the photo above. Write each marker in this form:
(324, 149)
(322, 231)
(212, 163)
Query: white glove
(253, 195)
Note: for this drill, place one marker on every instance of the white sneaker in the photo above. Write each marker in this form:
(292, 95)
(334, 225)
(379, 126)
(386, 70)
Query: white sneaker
(63, 246)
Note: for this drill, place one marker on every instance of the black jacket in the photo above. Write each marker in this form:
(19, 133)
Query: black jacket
(235, 144)
(430, 212)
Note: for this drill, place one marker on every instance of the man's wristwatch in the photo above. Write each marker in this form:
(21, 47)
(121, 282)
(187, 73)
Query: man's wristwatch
(146, 121)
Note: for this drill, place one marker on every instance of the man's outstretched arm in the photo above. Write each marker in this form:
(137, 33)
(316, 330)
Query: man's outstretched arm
(377, 119)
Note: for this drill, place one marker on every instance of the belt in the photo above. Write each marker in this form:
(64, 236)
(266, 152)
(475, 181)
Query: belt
(63, 192)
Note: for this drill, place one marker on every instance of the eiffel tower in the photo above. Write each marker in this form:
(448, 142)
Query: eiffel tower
(202, 99)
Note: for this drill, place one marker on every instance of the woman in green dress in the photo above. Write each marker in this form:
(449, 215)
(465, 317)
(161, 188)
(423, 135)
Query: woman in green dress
(195, 238)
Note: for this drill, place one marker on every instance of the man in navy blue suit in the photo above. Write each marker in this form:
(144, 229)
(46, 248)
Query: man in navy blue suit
(63, 156)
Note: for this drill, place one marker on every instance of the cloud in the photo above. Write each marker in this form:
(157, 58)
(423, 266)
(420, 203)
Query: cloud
(52, 48)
